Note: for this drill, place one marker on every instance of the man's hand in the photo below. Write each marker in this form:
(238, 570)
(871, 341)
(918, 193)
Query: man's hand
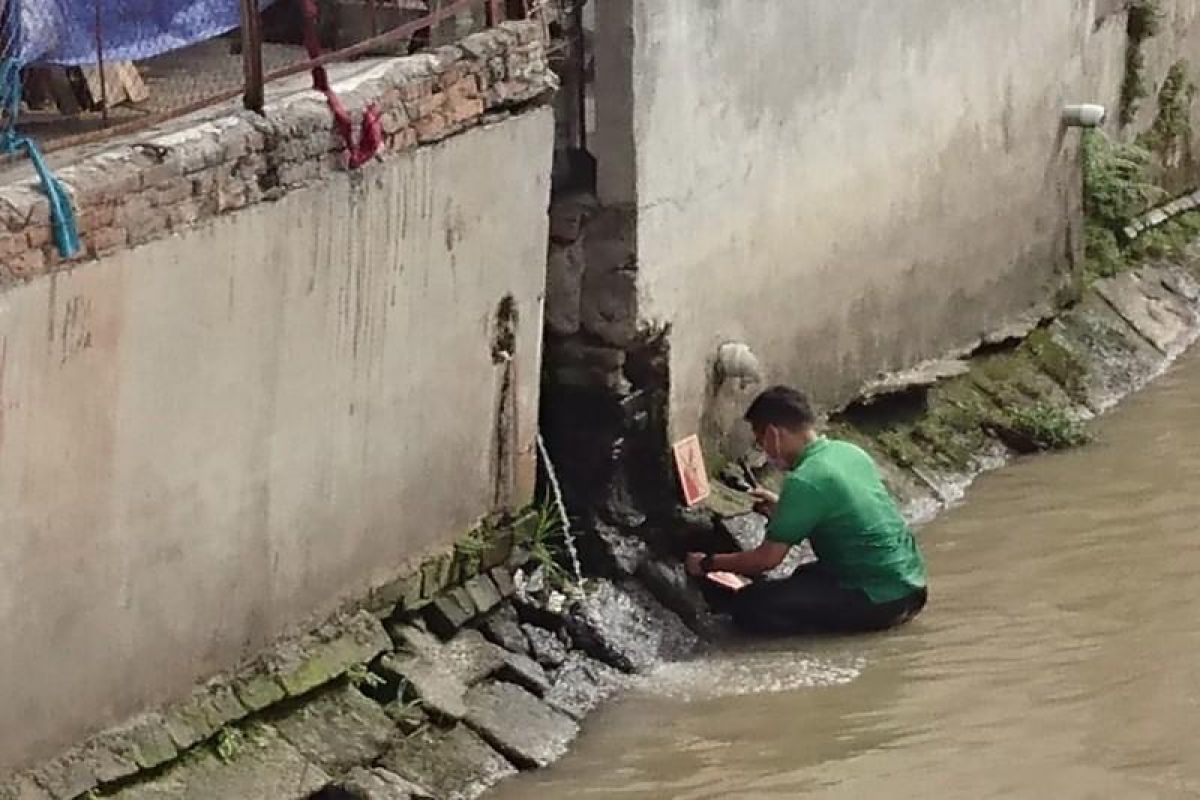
(765, 502)
(692, 563)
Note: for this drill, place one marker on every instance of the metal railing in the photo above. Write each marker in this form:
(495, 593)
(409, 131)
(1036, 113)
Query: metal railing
(414, 25)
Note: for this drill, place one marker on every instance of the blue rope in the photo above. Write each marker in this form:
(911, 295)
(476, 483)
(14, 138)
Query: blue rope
(62, 215)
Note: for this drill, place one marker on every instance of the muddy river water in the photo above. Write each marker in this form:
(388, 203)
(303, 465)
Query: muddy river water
(1059, 656)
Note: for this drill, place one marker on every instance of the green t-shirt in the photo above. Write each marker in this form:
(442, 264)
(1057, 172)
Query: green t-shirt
(835, 498)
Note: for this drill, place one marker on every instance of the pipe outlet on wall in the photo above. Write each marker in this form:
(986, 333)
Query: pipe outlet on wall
(1086, 115)
(736, 361)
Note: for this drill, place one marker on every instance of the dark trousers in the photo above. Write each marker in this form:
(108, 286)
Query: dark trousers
(810, 601)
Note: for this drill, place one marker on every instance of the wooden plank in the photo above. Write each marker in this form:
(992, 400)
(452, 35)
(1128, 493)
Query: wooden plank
(131, 80)
(110, 91)
(122, 84)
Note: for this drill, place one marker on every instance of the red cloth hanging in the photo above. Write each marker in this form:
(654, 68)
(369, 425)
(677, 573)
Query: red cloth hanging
(370, 138)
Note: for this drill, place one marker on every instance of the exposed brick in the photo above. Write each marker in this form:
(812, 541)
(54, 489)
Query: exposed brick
(231, 195)
(404, 140)
(390, 98)
(106, 240)
(179, 189)
(161, 175)
(250, 166)
(12, 244)
(140, 219)
(183, 214)
(173, 179)
(452, 75)
(237, 142)
(299, 173)
(39, 214)
(431, 128)
(95, 216)
(426, 106)
(199, 155)
(26, 264)
(416, 89)
(465, 109)
(445, 58)
(393, 120)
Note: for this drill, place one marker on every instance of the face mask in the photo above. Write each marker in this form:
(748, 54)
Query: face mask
(772, 447)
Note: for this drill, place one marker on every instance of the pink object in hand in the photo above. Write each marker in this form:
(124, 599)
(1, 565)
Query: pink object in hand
(729, 580)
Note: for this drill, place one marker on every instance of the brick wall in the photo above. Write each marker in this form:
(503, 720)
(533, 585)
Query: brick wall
(160, 183)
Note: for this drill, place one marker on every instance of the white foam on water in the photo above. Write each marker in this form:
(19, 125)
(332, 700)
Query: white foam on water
(561, 508)
(739, 674)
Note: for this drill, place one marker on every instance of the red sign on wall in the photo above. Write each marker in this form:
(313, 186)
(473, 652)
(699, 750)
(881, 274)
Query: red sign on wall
(689, 464)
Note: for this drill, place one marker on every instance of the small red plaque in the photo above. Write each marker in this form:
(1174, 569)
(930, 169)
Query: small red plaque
(689, 463)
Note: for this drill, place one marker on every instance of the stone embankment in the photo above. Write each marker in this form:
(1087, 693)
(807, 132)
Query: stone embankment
(485, 660)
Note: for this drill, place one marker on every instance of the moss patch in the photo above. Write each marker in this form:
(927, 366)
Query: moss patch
(1117, 188)
(1170, 135)
(1144, 23)
(1170, 240)
(1020, 398)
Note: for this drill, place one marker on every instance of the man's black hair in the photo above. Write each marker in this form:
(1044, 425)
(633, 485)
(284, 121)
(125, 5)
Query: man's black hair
(783, 407)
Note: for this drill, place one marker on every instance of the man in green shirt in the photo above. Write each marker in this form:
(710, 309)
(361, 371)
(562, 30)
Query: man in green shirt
(869, 573)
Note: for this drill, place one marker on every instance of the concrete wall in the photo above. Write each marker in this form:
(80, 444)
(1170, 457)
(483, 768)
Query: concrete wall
(847, 187)
(209, 438)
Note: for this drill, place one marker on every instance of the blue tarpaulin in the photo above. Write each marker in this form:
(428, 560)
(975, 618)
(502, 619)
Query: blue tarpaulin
(67, 32)
(64, 31)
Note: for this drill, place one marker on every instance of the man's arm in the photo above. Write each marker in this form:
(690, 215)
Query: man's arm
(763, 558)
(794, 514)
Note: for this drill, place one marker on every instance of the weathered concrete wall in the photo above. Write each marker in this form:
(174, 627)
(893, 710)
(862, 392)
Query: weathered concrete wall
(848, 188)
(212, 437)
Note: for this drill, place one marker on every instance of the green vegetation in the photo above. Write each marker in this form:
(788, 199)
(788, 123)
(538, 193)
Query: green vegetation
(1116, 181)
(546, 544)
(1169, 240)
(229, 742)
(362, 677)
(1016, 397)
(1144, 23)
(1041, 427)
(470, 551)
(1117, 188)
(1171, 132)
(408, 712)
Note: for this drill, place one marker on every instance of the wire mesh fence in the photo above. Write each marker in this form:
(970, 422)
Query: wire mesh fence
(77, 71)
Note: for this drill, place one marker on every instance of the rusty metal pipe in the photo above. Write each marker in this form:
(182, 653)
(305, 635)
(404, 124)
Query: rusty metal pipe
(252, 62)
(100, 67)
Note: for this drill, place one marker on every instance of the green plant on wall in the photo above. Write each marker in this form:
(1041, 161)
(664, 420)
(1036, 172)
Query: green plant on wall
(1116, 188)
(1039, 427)
(1170, 135)
(229, 742)
(546, 545)
(1143, 23)
(1116, 181)
(363, 678)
